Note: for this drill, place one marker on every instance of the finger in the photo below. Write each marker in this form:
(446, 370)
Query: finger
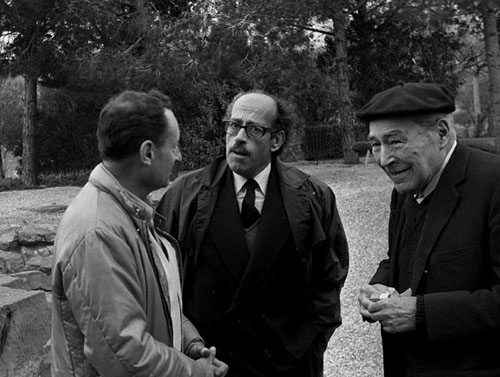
(221, 368)
(211, 357)
(205, 352)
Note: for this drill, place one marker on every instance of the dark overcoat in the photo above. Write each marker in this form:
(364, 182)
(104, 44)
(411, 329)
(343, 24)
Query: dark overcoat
(456, 269)
(276, 310)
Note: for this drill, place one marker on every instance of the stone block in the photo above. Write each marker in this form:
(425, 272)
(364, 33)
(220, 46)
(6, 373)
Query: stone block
(8, 281)
(40, 263)
(34, 250)
(24, 332)
(9, 239)
(36, 234)
(31, 281)
(11, 262)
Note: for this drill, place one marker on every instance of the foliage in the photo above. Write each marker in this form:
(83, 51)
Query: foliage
(395, 46)
(10, 184)
(67, 123)
(74, 178)
(202, 53)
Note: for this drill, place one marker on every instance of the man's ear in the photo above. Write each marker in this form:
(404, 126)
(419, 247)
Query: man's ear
(277, 140)
(146, 152)
(444, 132)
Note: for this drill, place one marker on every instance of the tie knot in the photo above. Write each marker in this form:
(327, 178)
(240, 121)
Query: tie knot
(251, 185)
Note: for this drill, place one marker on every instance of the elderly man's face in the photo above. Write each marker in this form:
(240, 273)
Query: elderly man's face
(246, 155)
(410, 154)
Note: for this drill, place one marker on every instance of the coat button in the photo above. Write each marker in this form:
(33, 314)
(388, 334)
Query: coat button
(268, 353)
(426, 271)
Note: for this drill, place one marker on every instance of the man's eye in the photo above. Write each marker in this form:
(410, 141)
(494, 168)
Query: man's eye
(396, 143)
(254, 129)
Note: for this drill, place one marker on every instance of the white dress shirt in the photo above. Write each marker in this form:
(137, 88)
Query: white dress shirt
(260, 193)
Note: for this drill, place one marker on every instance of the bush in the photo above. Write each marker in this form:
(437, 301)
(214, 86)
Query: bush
(77, 178)
(10, 184)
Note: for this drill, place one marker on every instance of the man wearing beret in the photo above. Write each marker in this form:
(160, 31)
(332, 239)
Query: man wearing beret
(437, 295)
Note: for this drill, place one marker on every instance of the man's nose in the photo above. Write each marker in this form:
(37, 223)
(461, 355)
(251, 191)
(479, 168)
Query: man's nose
(178, 154)
(242, 134)
(385, 156)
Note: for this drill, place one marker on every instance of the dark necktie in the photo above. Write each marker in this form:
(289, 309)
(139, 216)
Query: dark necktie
(249, 214)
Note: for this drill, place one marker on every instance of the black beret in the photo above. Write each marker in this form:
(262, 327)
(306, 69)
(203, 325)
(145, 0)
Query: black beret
(406, 100)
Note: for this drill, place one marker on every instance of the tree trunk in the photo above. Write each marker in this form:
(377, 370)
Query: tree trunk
(2, 171)
(493, 60)
(347, 120)
(28, 176)
(474, 129)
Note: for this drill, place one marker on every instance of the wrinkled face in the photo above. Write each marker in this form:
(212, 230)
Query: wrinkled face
(167, 153)
(410, 154)
(245, 155)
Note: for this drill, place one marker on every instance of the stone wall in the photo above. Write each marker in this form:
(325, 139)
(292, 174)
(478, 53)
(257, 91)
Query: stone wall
(25, 285)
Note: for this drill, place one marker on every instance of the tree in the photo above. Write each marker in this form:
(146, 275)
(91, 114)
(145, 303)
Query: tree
(347, 120)
(43, 40)
(488, 11)
(35, 37)
(286, 27)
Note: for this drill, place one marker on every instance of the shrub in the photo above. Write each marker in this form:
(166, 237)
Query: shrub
(76, 178)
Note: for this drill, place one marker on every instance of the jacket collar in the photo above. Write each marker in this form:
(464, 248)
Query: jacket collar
(105, 181)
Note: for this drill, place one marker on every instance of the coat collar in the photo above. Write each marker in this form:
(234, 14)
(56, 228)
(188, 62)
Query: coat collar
(137, 208)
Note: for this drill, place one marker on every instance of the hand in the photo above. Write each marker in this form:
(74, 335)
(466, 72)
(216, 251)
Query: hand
(396, 314)
(364, 298)
(218, 367)
(195, 349)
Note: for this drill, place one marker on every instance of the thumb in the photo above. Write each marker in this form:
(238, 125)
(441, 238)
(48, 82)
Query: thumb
(208, 353)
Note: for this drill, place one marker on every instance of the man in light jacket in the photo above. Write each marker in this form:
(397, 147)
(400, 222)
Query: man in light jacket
(117, 307)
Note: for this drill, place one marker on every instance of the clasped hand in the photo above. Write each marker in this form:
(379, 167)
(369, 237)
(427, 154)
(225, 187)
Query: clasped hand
(206, 357)
(396, 313)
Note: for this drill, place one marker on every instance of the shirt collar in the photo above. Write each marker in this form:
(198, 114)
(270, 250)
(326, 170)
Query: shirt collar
(434, 181)
(262, 179)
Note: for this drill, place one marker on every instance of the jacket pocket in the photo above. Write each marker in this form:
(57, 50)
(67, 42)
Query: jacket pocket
(453, 270)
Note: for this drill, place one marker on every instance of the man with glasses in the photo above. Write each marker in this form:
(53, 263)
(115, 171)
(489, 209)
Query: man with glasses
(265, 254)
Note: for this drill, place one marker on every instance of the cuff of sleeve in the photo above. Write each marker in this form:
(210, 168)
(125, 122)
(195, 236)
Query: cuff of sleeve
(193, 349)
(420, 324)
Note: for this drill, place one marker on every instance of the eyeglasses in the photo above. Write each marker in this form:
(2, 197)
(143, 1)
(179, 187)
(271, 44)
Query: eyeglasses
(253, 131)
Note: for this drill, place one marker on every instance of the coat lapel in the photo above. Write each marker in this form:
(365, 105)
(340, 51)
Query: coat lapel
(226, 230)
(443, 203)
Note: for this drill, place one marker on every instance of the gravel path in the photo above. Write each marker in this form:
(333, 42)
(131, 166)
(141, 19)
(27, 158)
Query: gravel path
(363, 194)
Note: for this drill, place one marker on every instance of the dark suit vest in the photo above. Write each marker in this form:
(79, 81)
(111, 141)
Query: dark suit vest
(248, 306)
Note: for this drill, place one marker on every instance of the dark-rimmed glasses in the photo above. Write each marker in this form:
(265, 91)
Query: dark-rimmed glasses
(253, 131)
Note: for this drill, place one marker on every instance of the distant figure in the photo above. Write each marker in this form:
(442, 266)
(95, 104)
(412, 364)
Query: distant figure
(117, 307)
(264, 248)
(437, 295)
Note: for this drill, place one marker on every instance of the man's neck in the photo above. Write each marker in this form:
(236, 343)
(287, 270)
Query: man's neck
(124, 172)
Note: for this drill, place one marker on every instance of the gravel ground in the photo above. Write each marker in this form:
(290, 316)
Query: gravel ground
(363, 194)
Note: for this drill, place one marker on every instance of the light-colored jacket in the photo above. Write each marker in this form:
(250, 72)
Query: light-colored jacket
(110, 311)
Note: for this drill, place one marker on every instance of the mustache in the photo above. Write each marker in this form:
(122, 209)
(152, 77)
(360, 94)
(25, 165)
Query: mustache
(238, 148)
